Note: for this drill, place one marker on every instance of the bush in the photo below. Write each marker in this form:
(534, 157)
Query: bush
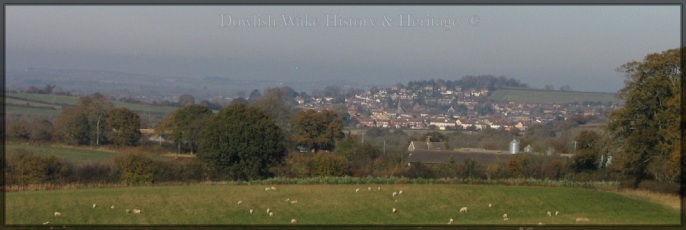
(656, 186)
(328, 164)
(135, 169)
(91, 173)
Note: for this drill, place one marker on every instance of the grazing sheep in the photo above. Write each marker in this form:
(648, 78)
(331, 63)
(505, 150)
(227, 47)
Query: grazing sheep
(112, 207)
(369, 188)
(240, 202)
(271, 214)
(46, 222)
(357, 190)
(505, 219)
(539, 223)
(394, 210)
(582, 219)
(293, 202)
(287, 199)
(293, 221)
(94, 205)
(128, 211)
(395, 193)
(58, 214)
(250, 211)
(463, 209)
(266, 189)
(557, 212)
(273, 188)
(505, 216)
(549, 213)
(378, 188)
(136, 211)
(490, 205)
(400, 192)
(450, 221)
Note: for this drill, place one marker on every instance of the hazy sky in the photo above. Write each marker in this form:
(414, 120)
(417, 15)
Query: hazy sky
(579, 46)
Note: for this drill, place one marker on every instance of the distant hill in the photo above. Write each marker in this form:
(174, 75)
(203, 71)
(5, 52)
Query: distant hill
(552, 96)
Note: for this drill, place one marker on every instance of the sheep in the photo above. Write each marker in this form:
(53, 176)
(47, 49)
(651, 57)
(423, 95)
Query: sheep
(58, 214)
(549, 213)
(357, 190)
(463, 209)
(128, 210)
(240, 202)
(557, 212)
(394, 194)
(266, 189)
(450, 221)
(582, 219)
(505, 219)
(394, 210)
(505, 216)
(250, 211)
(539, 223)
(378, 188)
(369, 188)
(273, 188)
(400, 192)
(136, 211)
(112, 207)
(46, 222)
(293, 202)
(490, 205)
(293, 221)
(287, 199)
(94, 205)
(271, 214)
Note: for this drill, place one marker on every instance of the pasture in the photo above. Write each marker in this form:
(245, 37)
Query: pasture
(75, 155)
(430, 204)
(57, 101)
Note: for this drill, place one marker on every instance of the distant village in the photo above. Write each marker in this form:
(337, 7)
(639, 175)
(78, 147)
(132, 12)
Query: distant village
(444, 108)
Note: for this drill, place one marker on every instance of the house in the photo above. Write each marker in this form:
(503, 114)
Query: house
(420, 145)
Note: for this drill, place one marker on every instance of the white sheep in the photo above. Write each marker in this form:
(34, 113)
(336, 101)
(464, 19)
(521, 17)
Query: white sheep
(400, 192)
(395, 193)
(250, 211)
(394, 210)
(464, 209)
(450, 221)
(505, 216)
(293, 202)
(240, 202)
(268, 211)
(46, 222)
(582, 219)
(505, 219)
(378, 188)
(287, 199)
(273, 188)
(271, 214)
(136, 211)
(266, 189)
(293, 221)
(58, 214)
(548, 213)
(490, 205)
(557, 212)
(539, 223)
(94, 205)
(112, 207)
(369, 188)
(357, 189)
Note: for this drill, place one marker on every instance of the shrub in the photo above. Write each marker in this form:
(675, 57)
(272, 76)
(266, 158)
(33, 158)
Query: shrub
(135, 168)
(90, 172)
(328, 164)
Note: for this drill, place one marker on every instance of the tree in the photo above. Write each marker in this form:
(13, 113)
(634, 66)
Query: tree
(186, 99)
(242, 143)
(72, 126)
(135, 168)
(125, 127)
(186, 125)
(317, 130)
(328, 164)
(649, 125)
(278, 105)
(95, 107)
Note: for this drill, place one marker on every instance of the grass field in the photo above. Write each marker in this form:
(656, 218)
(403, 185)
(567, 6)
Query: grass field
(332, 204)
(543, 96)
(70, 154)
(57, 101)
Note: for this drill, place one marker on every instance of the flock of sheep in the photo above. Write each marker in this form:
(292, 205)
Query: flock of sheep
(59, 214)
(393, 210)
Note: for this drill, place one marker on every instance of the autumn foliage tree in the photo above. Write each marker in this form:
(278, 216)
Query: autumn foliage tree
(125, 127)
(648, 127)
(318, 130)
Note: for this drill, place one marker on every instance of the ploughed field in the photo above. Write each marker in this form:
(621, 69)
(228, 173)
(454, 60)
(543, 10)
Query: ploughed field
(433, 204)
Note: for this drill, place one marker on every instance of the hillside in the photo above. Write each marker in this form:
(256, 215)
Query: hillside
(551, 97)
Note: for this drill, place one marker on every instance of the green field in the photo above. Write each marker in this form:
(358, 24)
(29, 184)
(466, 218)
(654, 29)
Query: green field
(332, 204)
(57, 101)
(550, 97)
(70, 154)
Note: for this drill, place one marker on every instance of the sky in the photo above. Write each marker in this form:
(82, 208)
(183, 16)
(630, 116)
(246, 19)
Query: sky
(575, 45)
